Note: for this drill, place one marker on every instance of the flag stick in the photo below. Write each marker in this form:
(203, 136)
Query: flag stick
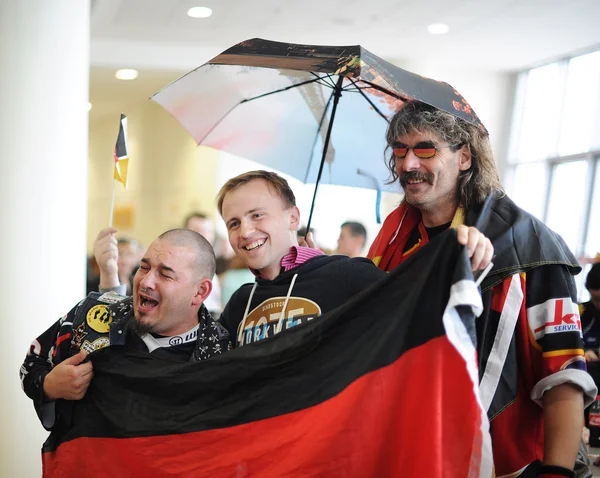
(112, 203)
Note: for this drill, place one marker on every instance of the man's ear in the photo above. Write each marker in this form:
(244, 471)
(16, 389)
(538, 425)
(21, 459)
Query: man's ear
(294, 218)
(203, 290)
(464, 158)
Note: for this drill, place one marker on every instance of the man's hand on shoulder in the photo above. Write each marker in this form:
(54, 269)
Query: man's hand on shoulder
(70, 379)
(106, 253)
(480, 247)
(590, 356)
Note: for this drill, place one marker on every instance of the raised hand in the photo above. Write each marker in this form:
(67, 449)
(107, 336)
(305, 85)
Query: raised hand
(106, 253)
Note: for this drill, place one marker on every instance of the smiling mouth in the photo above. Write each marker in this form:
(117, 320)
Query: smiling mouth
(254, 245)
(415, 181)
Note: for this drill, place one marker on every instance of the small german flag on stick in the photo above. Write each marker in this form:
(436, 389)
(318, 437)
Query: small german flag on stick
(121, 162)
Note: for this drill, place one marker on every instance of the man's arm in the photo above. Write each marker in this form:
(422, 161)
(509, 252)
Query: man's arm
(49, 372)
(563, 383)
(106, 253)
(563, 424)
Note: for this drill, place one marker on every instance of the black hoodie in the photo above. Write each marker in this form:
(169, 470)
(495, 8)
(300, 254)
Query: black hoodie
(315, 287)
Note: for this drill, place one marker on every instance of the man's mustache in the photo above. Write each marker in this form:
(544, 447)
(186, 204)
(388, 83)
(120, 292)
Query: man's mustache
(407, 176)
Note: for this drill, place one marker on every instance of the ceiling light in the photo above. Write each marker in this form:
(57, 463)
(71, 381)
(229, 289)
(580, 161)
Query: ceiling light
(126, 74)
(89, 106)
(199, 12)
(438, 28)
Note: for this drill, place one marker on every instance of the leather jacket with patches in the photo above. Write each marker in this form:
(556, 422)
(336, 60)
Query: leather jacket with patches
(101, 320)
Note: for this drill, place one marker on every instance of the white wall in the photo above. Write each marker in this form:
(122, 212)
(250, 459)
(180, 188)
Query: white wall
(44, 59)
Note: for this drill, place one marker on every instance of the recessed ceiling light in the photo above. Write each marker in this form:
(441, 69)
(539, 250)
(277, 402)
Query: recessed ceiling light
(89, 106)
(200, 12)
(126, 74)
(438, 28)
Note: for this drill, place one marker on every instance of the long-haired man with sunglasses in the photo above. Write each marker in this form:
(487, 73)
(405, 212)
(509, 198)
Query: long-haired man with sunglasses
(533, 379)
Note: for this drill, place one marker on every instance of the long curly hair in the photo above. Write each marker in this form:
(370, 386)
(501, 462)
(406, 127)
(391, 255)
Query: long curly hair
(474, 184)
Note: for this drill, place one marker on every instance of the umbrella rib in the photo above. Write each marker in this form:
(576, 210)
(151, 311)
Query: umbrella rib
(383, 90)
(323, 83)
(370, 102)
(280, 90)
(312, 151)
(326, 77)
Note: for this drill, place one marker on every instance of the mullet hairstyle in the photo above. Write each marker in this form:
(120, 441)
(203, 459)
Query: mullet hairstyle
(474, 184)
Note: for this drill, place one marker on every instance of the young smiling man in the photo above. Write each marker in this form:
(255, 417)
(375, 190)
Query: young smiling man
(165, 317)
(532, 370)
(293, 284)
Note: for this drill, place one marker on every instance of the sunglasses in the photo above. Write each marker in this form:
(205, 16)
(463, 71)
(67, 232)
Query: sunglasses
(421, 150)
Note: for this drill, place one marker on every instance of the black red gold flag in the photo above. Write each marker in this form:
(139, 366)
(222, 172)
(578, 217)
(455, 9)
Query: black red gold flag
(384, 386)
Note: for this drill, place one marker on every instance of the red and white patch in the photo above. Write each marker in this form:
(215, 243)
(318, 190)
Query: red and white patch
(554, 316)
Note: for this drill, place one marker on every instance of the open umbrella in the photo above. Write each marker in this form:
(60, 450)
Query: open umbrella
(276, 103)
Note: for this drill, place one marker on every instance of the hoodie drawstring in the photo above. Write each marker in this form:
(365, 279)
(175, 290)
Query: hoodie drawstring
(247, 311)
(287, 298)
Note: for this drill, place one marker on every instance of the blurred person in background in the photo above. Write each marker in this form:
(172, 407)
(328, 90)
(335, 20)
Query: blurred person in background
(236, 275)
(590, 318)
(589, 313)
(302, 234)
(352, 240)
(130, 253)
(92, 275)
(205, 226)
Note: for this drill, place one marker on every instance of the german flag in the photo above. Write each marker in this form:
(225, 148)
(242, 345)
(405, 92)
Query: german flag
(383, 386)
(120, 154)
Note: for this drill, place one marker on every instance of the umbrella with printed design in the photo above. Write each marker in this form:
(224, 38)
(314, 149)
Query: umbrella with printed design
(276, 103)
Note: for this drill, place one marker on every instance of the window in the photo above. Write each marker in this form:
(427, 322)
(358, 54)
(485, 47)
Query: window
(554, 155)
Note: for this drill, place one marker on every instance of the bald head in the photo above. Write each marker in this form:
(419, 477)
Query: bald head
(205, 263)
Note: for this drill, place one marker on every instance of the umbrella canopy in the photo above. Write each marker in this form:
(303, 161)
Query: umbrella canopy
(276, 103)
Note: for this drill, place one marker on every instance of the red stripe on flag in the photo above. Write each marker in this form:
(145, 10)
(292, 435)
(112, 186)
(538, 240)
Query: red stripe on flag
(416, 417)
